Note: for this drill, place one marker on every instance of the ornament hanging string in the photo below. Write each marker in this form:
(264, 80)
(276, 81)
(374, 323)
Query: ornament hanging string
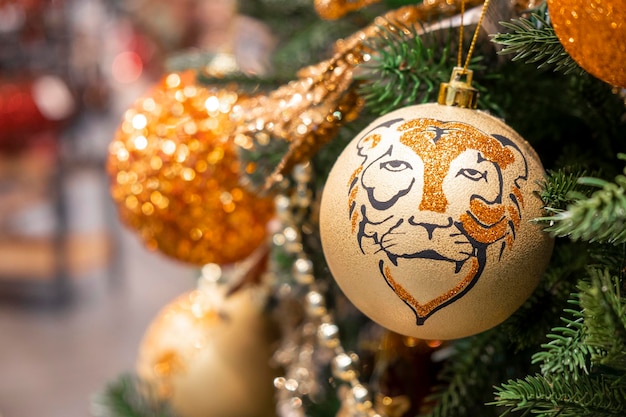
(470, 51)
(458, 92)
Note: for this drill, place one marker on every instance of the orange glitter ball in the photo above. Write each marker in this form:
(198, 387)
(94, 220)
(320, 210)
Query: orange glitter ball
(593, 32)
(336, 9)
(175, 174)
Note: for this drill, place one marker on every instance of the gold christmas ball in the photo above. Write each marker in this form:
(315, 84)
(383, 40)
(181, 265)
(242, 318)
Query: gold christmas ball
(425, 221)
(175, 174)
(211, 360)
(336, 9)
(593, 32)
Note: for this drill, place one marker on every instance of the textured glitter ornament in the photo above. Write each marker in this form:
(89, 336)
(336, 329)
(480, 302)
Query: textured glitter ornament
(425, 221)
(211, 357)
(175, 174)
(593, 32)
(336, 9)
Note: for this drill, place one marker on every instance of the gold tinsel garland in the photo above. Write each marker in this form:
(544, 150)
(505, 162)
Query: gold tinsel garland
(308, 111)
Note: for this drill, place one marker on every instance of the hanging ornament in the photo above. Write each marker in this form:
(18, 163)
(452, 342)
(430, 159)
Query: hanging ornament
(207, 355)
(336, 9)
(592, 33)
(435, 241)
(175, 174)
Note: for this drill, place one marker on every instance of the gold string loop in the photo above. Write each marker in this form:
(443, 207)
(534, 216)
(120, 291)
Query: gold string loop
(470, 51)
(458, 91)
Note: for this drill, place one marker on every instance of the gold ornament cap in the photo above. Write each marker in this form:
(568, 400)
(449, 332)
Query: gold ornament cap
(457, 92)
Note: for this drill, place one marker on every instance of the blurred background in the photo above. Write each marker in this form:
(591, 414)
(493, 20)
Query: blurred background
(77, 289)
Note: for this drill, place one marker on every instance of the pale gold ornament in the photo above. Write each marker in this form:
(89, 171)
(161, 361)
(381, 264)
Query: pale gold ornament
(211, 358)
(336, 9)
(426, 221)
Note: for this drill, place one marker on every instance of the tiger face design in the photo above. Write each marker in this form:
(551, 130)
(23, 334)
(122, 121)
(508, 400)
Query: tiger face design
(438, 196)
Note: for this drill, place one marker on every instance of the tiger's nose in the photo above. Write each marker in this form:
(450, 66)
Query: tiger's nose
(433, 198)
(430, 226)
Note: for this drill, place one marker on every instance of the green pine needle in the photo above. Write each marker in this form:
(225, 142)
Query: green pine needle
(547, 396)
(566, 354)
(533, 40)
(466, 377)
(593, 339)
(599, 218)
(405, 70)
(561, 186)
(127, 396)
(604, 310)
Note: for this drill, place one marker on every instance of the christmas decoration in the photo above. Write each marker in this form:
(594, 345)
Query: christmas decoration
(208, 355)
(175, 174)
(435, 240)
(335, 9)
(592, 33)
(327, 346)
(309, 111)
(308, 327)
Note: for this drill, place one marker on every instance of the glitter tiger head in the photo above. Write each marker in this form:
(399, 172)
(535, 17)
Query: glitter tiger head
(435, 192)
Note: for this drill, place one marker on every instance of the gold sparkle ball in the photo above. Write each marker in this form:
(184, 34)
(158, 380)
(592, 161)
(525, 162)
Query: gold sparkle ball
(593, 32)
(425, 221)
(210, 359)
(336, 9)
(175, 174)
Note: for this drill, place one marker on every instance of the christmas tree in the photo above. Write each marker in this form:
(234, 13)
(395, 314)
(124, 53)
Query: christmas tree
(536, 325)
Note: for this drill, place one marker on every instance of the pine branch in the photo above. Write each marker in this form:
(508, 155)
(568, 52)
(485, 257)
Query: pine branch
(467, 375)
(566, 354)
(128, 397)
(404, 71)
(599, 218)
(604, 311)
(533, 40)
(308, 44)
(527, 328)
(547, 396)
(560, 187)
(583, 366)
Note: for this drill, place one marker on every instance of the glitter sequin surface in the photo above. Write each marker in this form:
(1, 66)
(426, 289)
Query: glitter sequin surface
(336, 9)
(175, 174)
(593, 32)
(201, 351)
(436, 240)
